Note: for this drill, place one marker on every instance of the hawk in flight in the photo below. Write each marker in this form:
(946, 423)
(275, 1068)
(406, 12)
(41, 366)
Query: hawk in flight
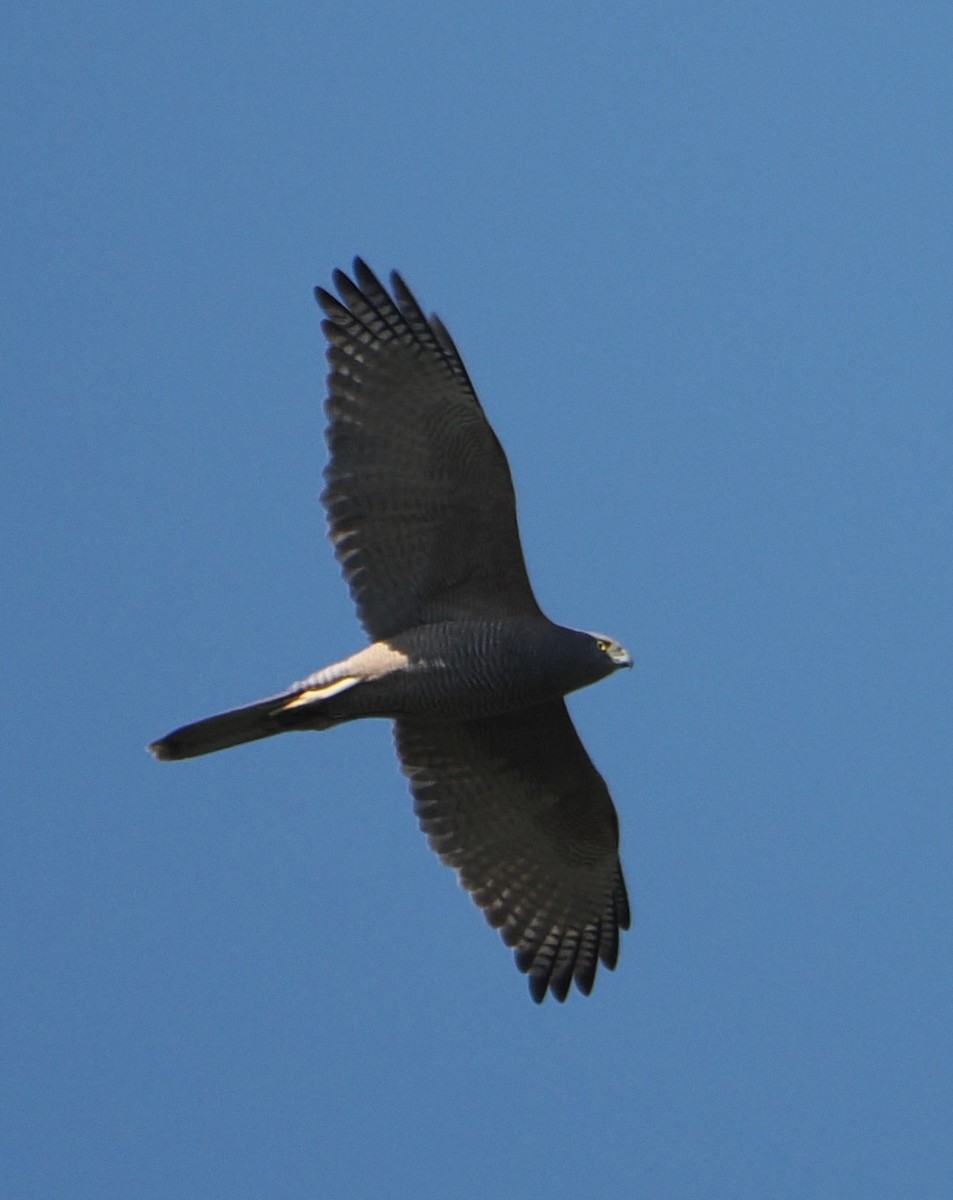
(422, 515)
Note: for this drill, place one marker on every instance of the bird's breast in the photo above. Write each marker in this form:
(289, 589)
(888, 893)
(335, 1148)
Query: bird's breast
(460, 670)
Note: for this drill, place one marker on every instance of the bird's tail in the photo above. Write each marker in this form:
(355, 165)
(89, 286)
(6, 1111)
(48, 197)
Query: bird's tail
(299, 708)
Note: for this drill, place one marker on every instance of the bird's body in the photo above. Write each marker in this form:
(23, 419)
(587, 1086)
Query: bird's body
(422, 515)
(408, 675)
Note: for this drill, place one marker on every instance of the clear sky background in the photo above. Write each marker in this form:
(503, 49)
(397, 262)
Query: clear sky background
(698, 260)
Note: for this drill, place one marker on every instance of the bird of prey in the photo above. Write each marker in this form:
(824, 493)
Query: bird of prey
(422, 516)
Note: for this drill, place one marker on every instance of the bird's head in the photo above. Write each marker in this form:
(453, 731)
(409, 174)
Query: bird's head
(614, 651)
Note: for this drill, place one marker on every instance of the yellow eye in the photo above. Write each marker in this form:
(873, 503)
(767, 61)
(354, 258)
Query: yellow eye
(603, 645)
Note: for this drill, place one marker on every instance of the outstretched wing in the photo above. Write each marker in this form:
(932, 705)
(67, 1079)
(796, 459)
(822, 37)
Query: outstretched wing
(418, 491)
(514, 804)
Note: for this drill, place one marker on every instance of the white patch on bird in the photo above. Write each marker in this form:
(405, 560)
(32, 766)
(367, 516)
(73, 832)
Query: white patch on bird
(379, 658)
(319, 693)
(370, 663)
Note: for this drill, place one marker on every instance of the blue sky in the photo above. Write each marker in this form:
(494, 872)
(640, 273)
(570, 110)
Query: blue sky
(698, 261)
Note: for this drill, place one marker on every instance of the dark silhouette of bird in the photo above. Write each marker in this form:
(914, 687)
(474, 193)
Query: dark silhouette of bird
(422, 516)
